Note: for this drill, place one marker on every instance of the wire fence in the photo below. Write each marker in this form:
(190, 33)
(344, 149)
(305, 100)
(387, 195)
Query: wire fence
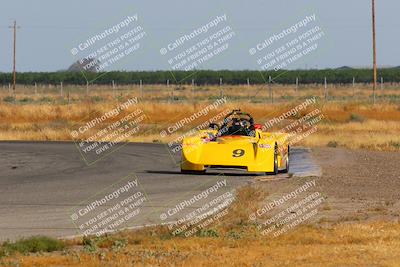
(268, 93)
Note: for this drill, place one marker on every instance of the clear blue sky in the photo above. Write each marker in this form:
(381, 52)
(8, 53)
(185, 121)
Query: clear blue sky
(49, 29)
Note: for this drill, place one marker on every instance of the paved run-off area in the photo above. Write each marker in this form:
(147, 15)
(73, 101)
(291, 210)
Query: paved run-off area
(43, 184)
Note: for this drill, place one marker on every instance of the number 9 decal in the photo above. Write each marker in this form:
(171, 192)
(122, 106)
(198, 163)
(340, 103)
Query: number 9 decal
(237, 153)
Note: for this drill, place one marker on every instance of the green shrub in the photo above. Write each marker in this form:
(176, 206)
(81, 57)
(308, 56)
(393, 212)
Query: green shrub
(26, 100)
(394, 144)
(234, 235)
(119, 244)
(32, 245)
(356, 118)
(89, 245)
(208, 233)
(332, 144)
(46, 99)
(9, 99)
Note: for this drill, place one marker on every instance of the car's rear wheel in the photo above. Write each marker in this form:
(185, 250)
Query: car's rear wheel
(286, 170)
(275, 171)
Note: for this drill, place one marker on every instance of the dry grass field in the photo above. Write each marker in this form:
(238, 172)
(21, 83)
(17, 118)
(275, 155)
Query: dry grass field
(350, 118)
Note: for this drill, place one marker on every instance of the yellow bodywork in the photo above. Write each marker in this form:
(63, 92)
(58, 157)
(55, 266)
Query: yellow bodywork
(256, 154)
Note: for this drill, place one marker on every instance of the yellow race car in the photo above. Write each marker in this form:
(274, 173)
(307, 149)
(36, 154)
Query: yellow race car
(237, 143)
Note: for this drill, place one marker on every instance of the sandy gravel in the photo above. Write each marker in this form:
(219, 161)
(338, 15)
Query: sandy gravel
(358, 185)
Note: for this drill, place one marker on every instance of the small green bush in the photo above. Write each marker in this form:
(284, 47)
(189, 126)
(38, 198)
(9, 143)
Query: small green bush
(332, 144)
(356, 118)
(26, 100)
(394, 144)
(208, 233)
(31, 245)
(46, 99)
(234, 235)
(119, 244)
(89, 245)
(9, 99)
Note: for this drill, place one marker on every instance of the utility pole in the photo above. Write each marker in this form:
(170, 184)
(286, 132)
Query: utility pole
(271, 94)
(14, 27)
(374, 47)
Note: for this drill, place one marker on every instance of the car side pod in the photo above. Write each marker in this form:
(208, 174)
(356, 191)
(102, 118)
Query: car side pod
(190, 168)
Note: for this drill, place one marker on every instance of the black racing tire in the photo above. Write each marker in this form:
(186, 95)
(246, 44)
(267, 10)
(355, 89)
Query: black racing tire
(286, 170)
(275, 171)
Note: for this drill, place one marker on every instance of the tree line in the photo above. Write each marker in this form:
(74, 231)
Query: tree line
(205, 77)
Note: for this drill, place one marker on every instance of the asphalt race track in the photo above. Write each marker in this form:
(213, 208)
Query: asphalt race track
(42, 184)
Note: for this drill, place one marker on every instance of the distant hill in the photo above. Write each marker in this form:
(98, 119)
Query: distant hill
(344, 68)
(86, 65)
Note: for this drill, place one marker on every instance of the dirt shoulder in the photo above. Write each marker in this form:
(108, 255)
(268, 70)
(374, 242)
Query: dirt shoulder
(359, 174)
(358, 185)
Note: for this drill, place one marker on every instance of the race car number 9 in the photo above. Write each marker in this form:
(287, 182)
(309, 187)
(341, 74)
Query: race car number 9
(237, 153)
